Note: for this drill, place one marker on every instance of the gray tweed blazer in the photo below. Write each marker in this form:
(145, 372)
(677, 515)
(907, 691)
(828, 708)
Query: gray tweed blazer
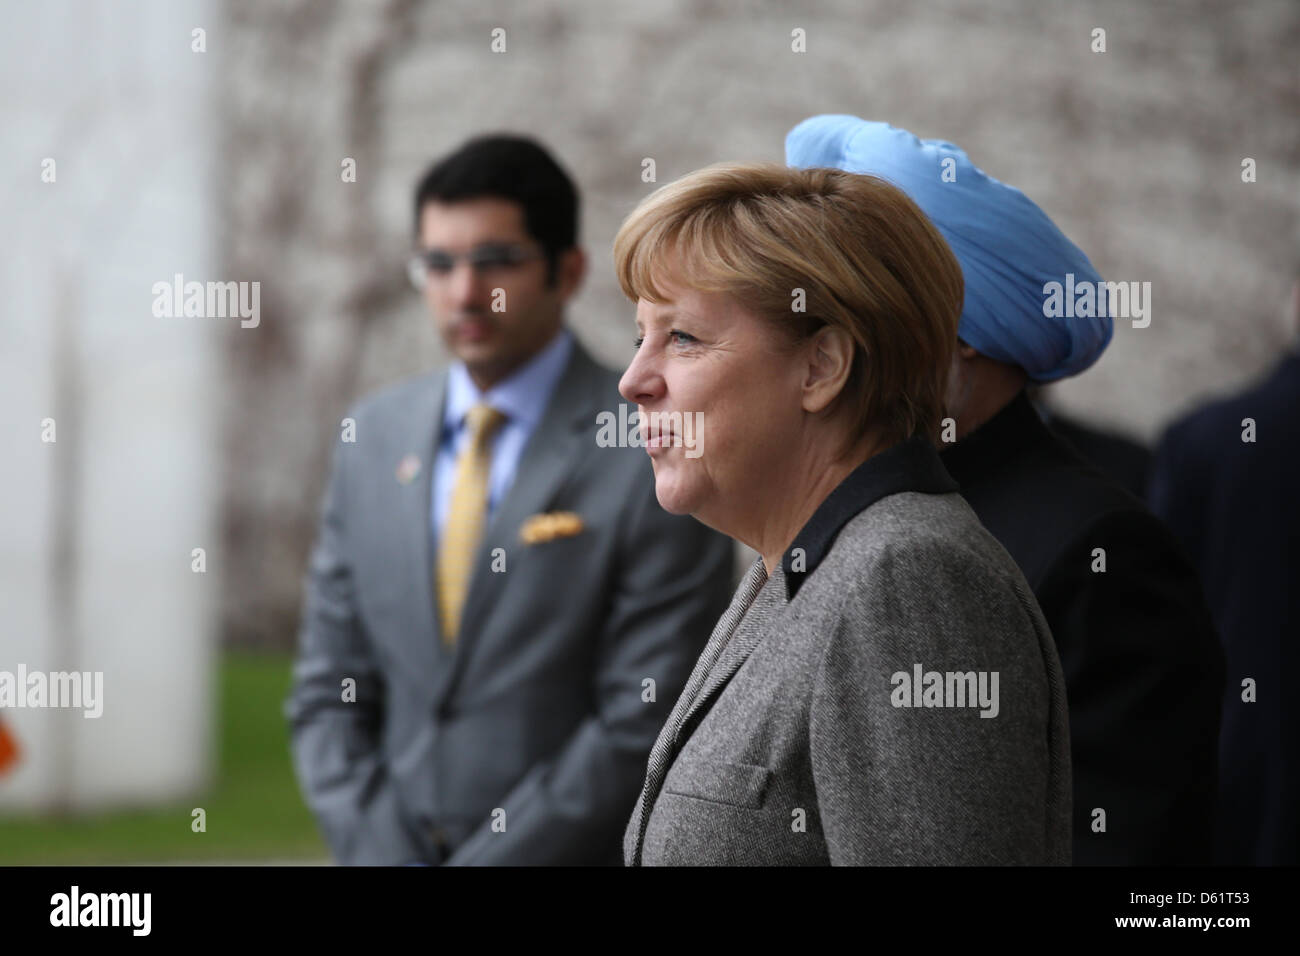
(861, 722)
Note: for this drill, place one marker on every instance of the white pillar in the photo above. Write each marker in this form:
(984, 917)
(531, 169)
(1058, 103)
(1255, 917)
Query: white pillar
(97, 528)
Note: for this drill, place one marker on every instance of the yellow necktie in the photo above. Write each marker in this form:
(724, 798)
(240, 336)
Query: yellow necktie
(466, 518)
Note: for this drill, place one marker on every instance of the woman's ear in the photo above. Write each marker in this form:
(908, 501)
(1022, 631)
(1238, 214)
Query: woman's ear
(830, 360)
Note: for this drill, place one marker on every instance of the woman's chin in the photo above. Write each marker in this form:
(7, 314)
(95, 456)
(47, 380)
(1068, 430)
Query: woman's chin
(673, 498)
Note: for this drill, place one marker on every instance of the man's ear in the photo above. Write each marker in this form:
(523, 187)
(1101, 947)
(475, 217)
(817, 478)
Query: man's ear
(830, 360)
(570, 271)
(965, 351)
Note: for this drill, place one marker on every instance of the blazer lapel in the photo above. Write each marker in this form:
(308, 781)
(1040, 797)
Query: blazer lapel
(747, 636)
(731, 643)
(552, 452)
(420, 439)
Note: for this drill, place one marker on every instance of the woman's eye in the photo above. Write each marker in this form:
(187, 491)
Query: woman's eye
(680, 338)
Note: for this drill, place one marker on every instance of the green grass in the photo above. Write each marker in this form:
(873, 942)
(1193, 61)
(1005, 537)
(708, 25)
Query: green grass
(254, 810)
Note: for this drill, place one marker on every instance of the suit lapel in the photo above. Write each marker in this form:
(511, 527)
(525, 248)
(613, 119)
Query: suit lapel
(421, 439)
(747, 636)
(553, 451)
(733, 640)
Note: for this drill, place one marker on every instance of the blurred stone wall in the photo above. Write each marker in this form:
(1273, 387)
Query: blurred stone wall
(1136, 152)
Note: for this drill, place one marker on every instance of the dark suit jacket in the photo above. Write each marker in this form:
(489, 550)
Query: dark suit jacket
(539, 711)
(1143, 669)
(1120, 459)
(1234, 505)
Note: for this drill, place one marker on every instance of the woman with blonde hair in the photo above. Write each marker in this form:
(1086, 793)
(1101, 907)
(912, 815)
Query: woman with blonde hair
(883, 688)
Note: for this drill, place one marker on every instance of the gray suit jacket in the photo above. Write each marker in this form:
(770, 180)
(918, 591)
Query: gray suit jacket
(539, 711)
(787, 746)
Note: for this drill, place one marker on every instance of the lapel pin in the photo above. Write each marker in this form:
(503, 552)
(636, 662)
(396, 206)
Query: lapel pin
(407, 469)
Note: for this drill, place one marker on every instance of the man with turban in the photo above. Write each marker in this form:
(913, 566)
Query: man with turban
(1142, 665)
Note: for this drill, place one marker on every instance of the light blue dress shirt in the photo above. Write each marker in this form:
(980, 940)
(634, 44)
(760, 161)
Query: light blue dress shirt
(522, 397)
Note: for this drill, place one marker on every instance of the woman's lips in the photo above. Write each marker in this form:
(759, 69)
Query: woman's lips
(663, 438)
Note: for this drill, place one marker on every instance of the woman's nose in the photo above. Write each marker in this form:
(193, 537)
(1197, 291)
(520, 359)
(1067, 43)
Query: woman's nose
(642, 382)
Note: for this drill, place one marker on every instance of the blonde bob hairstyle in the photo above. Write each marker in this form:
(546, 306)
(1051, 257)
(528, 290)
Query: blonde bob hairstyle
(864, 255)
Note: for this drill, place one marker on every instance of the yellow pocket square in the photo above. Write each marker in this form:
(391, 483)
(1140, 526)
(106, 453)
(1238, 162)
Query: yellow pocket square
(549, 526)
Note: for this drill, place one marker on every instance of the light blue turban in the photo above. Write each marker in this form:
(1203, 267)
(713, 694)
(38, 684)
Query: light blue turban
(1008, 249)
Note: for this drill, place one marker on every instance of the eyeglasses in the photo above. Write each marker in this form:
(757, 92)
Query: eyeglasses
(490, 257)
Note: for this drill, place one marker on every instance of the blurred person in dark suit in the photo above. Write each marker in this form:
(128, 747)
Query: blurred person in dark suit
(1143, 669)
(1224, 480)
(1121, 459)
(498, 614)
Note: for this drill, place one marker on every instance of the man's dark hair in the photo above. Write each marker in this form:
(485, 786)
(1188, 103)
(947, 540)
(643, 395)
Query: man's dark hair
(516, 168)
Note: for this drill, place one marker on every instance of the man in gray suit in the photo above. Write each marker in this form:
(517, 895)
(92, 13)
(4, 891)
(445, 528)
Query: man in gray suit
(498, 613)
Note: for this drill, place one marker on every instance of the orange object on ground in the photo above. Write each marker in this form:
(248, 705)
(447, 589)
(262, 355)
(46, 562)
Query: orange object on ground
(9, 752)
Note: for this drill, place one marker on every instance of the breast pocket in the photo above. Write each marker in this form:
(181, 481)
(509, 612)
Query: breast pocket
(734, 784)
